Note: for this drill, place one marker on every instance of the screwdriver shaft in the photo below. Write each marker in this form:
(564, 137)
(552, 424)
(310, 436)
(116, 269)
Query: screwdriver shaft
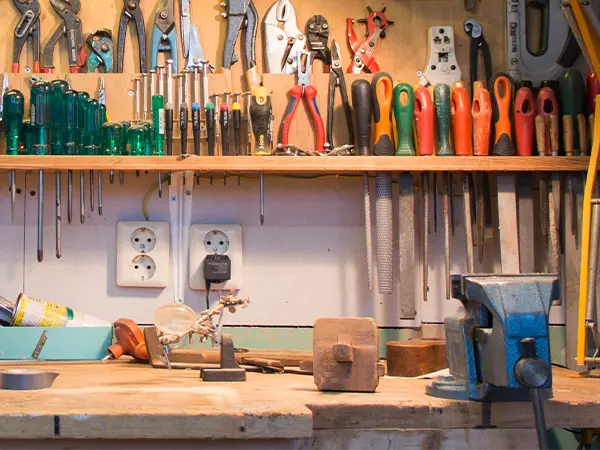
(100, 193)
(82, 197)
(40, 231)
(58, 215)
(70, 196)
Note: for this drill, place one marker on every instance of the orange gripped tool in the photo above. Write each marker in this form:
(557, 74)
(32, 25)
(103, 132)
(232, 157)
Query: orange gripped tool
(461, 121)
(524, 114)
(503, 145)
(129, 341)
(593, 89)
(481, 112)
(382, 111)
(424, 121)
(547, 107)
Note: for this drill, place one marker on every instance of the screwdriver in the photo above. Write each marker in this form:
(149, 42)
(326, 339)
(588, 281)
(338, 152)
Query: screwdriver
(137, 140)
(382, 87)
(58, 108)
(101, 119)
(217, 104)
(210, 130)
(90, 134)
(183, 112)
(70, 137)
(593, 90)
(248, 121)
(158, 129)
(13, 104)
(236, 112)
(169, 108)
(196, 114)
(362, 101)
(40, 123)
(224, 125)
(441, 100)
(261, 113)
(82, 98)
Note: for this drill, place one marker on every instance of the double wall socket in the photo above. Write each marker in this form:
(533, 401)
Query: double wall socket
(143, 254)
(215, 240)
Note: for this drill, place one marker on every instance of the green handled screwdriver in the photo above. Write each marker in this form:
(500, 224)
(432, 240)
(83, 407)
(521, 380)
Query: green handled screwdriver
(40, 123)
(158, 131)
(90, 137)
(70, 138)
(101, 119)
(14, 108)
(82, 98)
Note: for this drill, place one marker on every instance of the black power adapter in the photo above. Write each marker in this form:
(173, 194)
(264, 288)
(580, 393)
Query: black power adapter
(217, 269)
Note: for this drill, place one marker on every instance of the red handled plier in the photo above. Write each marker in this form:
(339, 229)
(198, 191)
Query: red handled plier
(363, 55)
(303, 89)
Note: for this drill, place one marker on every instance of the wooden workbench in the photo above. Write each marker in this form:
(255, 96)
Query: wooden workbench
(131, 401)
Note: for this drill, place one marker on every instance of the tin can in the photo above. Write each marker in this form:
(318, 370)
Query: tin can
(32, 311)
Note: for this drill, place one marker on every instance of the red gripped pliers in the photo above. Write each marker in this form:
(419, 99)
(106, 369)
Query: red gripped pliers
(363, 55)
(303, 89)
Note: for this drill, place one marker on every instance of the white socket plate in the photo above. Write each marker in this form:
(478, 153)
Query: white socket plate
(132, 249)
(200, 235)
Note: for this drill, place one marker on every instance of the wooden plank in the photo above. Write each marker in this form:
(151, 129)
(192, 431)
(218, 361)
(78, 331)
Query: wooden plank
(299, 165)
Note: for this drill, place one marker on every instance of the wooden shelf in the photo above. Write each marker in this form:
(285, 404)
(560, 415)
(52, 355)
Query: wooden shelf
(297, 165)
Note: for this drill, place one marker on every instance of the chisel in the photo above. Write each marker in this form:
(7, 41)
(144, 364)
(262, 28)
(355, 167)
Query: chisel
(261, 113)
(383, 87)
(462, 132)
(424, 124)
(441, 100)
(507, 201)
(363, 112)
(404, 110)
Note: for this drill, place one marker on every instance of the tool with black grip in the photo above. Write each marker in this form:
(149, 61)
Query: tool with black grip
(362, 101)
(27, 29)
(383, 90)
(261, 115)
(236, 113)
(71, 29)
(336, 79)
(131, 11)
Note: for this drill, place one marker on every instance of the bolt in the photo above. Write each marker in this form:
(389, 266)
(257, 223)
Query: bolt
(325, 26)
(163, 15)
(312, 26)
(131, 5)
(104, 48)
(280, 37)
(362, 50)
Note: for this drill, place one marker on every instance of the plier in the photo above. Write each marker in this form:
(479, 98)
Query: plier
(101, 43)
(478, 44)
(303, 89)
(317, 33)
(336, 79)
(363, 58)
(72, 30)
(164, 34)
(131, 11)
(240, 12)
(185, 24)
(283, 39)
(28, 27)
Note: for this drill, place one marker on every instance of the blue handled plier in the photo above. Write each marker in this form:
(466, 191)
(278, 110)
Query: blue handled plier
(164, 34)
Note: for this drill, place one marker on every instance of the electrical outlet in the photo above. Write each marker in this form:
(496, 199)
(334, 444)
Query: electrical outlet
(143, 254)
(215, 240)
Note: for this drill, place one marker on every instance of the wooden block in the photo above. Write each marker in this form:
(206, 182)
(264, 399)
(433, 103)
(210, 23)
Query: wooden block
(415, 357)
(345, 354)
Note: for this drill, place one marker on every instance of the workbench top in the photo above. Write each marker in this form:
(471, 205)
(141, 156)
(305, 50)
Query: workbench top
(134, 401)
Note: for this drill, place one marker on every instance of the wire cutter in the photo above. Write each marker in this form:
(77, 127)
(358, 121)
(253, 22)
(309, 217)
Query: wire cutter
(101, 58)
(363, 58)
(28, 27)
(283, 39)
(303, 89)
(336, 79)
(131, 11)
(478, 44)
(72, 30)
(240, 12)
(164, 34)
(317, 33)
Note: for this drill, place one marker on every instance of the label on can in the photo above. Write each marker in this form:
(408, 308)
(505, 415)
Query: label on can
(34, 312)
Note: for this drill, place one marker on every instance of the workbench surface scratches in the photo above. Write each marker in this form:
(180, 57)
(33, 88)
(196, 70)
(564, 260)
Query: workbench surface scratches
(120, 400)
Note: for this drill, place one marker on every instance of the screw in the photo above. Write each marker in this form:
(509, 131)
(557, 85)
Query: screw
(163, 15)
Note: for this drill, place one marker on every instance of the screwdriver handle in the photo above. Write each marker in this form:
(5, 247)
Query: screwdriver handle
(568, 132)
(524, 113)
(572, 92)
(404, 111)
(224, 120)
(481, 112)
(158, 124)
(236, 111)
(501, 99)
(582, 131)
(441, 100)
(169, 129)
(13, 103)
(547, 106)
(424, 121)
(260, 114)
(183, 127)
(363, 111)
(593, 90)
(210, 128)
(461, 121)
(196, 127)
(383, 90)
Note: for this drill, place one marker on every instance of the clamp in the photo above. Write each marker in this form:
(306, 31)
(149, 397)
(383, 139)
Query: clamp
(478, 44)
(131, 11)
(27, 28)
(101, 43)
(70, 29)
(317, 33)
(238, 14)
(283, 39)
(363, 58)
(164, 34)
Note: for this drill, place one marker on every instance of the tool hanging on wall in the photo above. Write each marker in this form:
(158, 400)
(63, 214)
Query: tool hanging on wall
(539, 41)
(72, 31)
(336, 79)
(317, 35)
(477, 45)
(131, 11)
(13, 106)
(442, 66)
(101, 57)
(82, 98)
(261, 114)
(164, 34)
(71, 139)
(283, 39)
(363, 55)
(27, 29)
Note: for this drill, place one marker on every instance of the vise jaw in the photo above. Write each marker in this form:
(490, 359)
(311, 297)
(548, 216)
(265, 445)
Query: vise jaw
(498, 338)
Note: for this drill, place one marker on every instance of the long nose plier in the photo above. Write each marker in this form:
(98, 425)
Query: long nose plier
(164, 34)
(27, 28)
(131, 11)
(70, 29)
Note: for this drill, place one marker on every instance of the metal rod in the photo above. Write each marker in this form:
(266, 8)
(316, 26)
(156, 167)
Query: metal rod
(145, 96)
(58, 215)
(540, 421)
(11, 188)
(70, 196)
(82, 197)
(425, 278)
(100, 192)
(368, 228)
(262, 198)
(40, 231)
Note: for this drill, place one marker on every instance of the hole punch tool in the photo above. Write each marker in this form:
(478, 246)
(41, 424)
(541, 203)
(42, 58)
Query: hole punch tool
(27, 28)
(131, 11)
(164, 34)
(101, 58)
(336, 79)
(363, 58)
(71, 29)
(283, 38)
